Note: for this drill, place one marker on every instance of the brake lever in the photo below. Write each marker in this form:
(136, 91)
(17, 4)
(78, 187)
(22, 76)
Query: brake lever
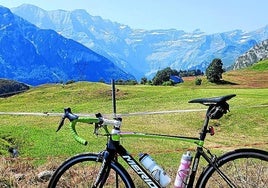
(65, 115)
(96, 129)
(61, 123)
(97, 125)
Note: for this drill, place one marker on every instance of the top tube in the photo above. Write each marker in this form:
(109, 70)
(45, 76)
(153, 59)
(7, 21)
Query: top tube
(193, 140)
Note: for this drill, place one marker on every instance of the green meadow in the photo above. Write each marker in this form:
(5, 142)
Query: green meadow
(40, 147)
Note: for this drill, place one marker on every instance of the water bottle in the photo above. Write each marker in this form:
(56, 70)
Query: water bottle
(157, 172)
(183, 171)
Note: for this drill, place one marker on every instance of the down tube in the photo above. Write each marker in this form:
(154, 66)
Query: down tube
(193, 140)
(138, 169)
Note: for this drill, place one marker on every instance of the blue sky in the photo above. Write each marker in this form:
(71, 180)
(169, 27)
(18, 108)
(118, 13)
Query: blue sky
(210, 16)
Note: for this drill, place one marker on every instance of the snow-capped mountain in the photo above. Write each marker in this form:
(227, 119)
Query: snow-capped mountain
(37, 56)
(144, 52)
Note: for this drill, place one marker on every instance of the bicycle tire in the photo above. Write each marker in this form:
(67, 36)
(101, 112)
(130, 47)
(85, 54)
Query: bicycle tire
(82, 170)
(244, 167)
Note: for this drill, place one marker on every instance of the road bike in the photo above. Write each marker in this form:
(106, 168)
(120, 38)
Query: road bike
(245, 167)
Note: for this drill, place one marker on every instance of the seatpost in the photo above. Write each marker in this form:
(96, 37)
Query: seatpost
(205, 126)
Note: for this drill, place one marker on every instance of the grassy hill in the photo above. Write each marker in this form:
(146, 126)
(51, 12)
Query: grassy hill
(40, 147)
(255, 76)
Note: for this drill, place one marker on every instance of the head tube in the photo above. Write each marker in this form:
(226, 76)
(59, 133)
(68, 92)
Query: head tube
(115, 136)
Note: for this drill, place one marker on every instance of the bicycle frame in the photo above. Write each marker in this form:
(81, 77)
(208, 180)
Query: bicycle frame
(217, 107)
(114, 147)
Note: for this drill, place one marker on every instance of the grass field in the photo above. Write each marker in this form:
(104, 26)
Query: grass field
(40, 147)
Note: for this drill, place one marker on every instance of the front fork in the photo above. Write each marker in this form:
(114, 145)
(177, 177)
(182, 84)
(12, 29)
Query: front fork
(104, 170)
(106, 157)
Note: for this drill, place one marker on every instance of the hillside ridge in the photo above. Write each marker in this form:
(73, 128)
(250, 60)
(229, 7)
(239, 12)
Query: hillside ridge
(254, 76)
(11, 87)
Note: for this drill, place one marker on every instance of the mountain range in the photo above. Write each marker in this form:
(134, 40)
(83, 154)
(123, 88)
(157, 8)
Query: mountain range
(36, 56)
(39, 46)
(144, 52)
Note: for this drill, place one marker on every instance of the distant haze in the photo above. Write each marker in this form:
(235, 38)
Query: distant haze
(210, 16)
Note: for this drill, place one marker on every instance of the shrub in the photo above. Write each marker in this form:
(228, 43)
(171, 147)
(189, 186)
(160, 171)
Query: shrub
(168, 83)
(198, 81)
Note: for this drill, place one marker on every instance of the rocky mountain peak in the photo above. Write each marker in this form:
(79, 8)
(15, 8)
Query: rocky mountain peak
(255, 54)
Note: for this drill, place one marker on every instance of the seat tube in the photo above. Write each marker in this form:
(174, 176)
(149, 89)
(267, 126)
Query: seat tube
(203, 132)
(195, 164)
(199, 151)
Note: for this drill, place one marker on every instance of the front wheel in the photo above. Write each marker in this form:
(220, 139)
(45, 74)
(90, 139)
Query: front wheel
(240, 168)
(82, 171)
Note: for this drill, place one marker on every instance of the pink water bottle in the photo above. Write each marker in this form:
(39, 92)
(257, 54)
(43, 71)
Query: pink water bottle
(183, 171)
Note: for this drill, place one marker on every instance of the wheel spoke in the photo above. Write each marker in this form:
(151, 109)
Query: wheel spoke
(245, 169)
(83, 172)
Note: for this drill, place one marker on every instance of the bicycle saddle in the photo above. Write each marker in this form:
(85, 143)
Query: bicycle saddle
(213, 100)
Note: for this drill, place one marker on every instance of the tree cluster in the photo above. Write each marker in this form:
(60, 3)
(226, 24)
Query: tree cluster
(162, 77)
(185, 73)
(126, 82)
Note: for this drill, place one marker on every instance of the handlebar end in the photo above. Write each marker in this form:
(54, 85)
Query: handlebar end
(80, 140)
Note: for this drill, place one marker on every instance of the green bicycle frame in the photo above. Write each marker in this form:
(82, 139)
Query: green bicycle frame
(193, 140)
(115, 135)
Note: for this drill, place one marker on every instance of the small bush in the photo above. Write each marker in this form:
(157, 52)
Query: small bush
(168, 83)
(198, 81)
